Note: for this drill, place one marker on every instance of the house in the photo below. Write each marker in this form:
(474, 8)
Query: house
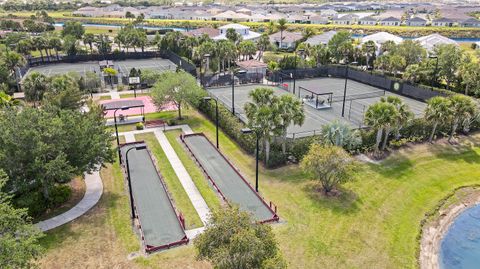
(471, 22)
(390, 21)
(253, 67)
(347, 19)
(329, 13)
(285, 40)
(211, 32)
(231, 16)
(382, 37)
(245, 11)
(242, 30)
(429, 42)
(321, 39)
(367, 21)
(443, 22)
(295, 18)
(318, 20)
(416, 21)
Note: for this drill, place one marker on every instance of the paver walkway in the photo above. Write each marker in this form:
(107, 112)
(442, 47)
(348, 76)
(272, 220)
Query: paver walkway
(94, 190)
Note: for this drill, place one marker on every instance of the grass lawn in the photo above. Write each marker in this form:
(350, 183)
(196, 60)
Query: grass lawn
(202, 184)
(131, 95)
(373, 224)
(175, 188)
(105, 97)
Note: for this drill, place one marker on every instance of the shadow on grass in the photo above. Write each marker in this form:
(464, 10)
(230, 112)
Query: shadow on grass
(458, 152)
(58, 235)
(344, 203)
(395, 166)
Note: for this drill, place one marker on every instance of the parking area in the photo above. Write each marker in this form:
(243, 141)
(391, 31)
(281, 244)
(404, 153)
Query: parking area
(359, 97)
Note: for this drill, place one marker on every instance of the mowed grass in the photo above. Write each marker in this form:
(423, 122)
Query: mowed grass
(175, 188)
(201, 182)
(373, 224)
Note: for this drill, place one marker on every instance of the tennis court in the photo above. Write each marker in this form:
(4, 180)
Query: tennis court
(230, 184)
(159, 225)
(359, 97)
(123, 67)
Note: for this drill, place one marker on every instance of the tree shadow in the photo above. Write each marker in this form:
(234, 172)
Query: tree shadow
(346, 202)
(395, 166)
(458, 151)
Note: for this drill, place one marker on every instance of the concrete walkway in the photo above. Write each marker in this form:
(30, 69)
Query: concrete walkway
(193, 194)
(94, 190)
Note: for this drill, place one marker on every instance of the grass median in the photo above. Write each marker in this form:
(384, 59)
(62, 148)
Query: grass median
(175, 188)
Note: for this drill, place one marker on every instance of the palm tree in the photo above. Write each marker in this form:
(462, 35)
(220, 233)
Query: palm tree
(262, 116)
(24, 47)
(56, 44)
(404, 112)
(271, 27)
(88, 39)
(307, 33)
(462, 108)
(437, 112)
(35, 86)
(282, 26)
(381, 116)
(263, 44)
(157, 42)
(232, 35)
(290, 111)
(39, 43)
(246, 49)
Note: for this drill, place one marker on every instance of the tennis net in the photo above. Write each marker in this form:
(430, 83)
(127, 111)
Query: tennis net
(358, 96)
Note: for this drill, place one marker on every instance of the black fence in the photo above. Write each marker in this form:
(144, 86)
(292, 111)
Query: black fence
(417, 92)
(241, 78)
(117, 56)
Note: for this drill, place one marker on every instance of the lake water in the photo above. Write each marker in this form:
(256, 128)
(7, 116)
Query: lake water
(460, 248)
(60, 24)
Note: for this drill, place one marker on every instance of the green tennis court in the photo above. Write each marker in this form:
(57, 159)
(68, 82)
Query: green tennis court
(160, 226)
(226, 179)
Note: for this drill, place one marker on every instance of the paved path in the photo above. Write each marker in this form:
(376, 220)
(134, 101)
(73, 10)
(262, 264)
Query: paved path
(195, 197)
(129, 137)
(94, 190)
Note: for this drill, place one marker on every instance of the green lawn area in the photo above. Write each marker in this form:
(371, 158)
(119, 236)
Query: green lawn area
(105, 97)
(373, 224)
(131, 95)
(175, 188)
(201, 182)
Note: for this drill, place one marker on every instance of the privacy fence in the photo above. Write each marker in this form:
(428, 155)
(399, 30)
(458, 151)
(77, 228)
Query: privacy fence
(418, 92)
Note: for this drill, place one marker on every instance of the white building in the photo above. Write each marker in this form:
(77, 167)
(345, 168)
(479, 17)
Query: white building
(322, 39)
(242, 30)
(430, 41)
(382, 37)
(285, 40)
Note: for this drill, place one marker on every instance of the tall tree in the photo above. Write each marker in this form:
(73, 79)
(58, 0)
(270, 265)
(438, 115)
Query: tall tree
(56, 44)
(35, 85)
(262, 116)
(337, 41)
(381, 116)
(179, 88)
(64, 92)
(232, 35)
(404, 114)
(263, 44)
(73, 28)
(449, 59)
(290, 111)
(282, 26)
(20, 238)
(470, 76)
(88, 39)
(437, 112)
(463, 108)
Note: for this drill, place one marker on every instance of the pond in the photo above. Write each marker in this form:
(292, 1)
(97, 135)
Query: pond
(460, 247)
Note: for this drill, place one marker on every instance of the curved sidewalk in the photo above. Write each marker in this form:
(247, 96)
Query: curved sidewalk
(93, 192)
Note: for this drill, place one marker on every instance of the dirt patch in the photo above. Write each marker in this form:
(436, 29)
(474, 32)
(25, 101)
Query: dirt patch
(434, 229)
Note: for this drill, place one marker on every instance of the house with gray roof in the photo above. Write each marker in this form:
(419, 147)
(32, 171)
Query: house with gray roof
(348, 19)
(443, 22)
(367, 21)
(321, 39)
(285, 40)
(416, 21)
(318, 20)
(471, 22)
(390, 21)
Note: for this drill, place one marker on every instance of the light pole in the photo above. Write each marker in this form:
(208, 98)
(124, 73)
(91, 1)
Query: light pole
(300, 51)
(233, 88)
(207, 99)
(434, 77)
(345, 89)
(139, 147)
(116, 130)
(249, 131)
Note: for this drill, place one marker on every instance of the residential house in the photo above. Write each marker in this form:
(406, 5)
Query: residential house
(416, 21)
(245, 11)
(211, 32)
(295, 18)
(443, 22)
(390, 21)
(471, 22)
(347, 19)
(367, 21)
(285, 40)
(318, 20)
(382, 37)
(429, 42)
(253, 67)
(330, 13)
(321, 39)
(242, 30)
(231, 16)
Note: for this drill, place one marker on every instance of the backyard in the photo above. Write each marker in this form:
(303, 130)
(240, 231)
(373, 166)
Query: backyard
(375, 223)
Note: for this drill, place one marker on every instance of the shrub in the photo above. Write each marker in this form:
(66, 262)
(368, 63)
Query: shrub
(33, 202)
(59, 195)
(121, 87)
(139, 126)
